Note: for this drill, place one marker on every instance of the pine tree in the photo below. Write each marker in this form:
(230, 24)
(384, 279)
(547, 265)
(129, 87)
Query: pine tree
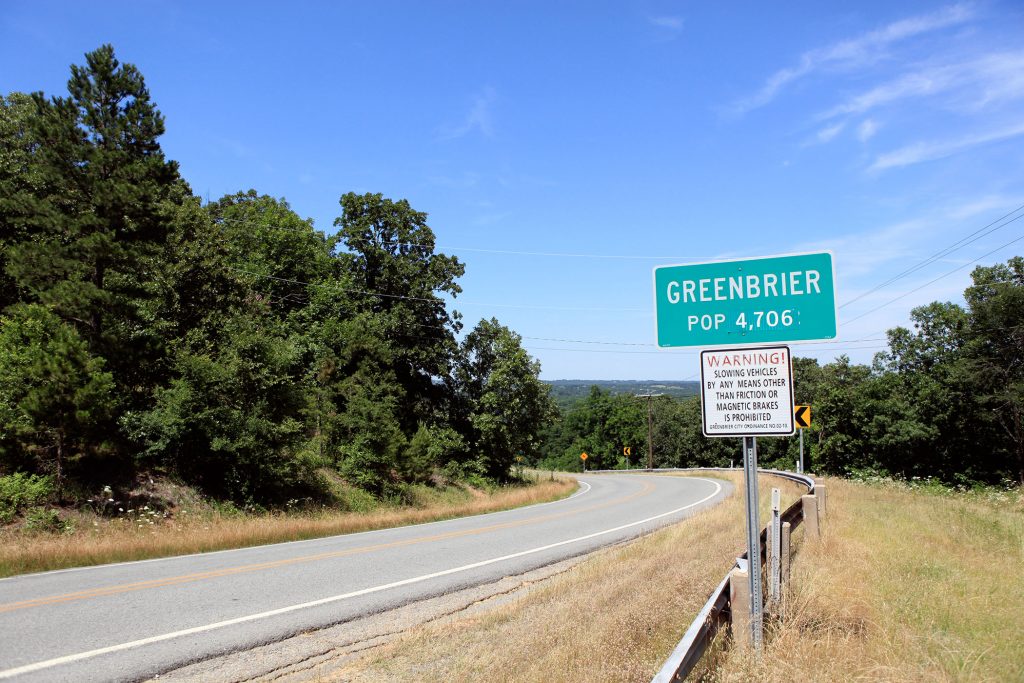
(93, 223)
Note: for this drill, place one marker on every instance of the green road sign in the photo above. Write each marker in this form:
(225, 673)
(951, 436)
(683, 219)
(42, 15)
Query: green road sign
(765, 300)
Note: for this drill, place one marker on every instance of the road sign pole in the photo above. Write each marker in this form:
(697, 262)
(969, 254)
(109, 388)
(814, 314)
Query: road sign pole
(753, 541)
(801, 470)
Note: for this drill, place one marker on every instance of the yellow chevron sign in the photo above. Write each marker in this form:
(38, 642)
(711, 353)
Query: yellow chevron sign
(802, 416)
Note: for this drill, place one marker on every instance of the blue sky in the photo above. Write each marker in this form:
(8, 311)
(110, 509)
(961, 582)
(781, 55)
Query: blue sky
(562, 150)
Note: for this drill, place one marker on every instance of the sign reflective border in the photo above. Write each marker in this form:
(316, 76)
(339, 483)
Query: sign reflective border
(747, 391)
(764, 300)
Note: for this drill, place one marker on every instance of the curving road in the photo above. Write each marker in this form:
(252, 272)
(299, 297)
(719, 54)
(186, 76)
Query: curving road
(135, 620)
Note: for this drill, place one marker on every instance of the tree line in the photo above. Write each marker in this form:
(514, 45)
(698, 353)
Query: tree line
(236, 347)
(945, 400)
(229, 344)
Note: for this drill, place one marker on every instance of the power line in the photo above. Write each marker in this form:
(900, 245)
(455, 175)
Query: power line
(610, 343)
(432, 300)
(679, 353)
(956, 246)
(553, 254)
(947, 274)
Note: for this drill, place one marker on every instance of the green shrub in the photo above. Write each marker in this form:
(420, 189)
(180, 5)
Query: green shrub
(43, 520)
(19, 491)
(369, 471)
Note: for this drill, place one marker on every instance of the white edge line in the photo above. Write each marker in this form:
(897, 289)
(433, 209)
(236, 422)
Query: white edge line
(69, 659)
(210, 553)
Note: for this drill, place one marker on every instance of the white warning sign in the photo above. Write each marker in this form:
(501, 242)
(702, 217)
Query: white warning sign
(747, 392)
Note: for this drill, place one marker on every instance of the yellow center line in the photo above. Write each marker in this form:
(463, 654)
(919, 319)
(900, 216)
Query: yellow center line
(260, 566)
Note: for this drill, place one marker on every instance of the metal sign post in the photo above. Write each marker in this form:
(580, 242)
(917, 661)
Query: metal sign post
(753, 541)
(802, 416)
(800, 470)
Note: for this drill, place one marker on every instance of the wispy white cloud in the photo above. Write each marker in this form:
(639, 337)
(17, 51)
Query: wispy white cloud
(918, 84)
(930, 151)
(993, 78)
(1003, 78)
(827, 134)
(988, 205)
(847, 53)
(463, 181)
(670, 22)
(867, 129)
(478, 119)
(866, 252)
(486, 219)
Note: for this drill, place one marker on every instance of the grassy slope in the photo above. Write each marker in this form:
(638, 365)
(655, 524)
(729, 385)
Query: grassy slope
(906, 585)
(143, 534)
(614, 617)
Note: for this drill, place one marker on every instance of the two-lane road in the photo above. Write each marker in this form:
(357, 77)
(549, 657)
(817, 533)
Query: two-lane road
(134, 620)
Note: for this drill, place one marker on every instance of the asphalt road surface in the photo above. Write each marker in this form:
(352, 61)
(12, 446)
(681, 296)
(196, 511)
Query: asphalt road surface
(132, 621)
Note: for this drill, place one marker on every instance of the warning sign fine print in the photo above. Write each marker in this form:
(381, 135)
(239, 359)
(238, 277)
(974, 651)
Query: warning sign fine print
(747, 392)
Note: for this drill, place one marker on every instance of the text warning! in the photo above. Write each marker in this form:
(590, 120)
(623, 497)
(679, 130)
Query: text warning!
(747, 392)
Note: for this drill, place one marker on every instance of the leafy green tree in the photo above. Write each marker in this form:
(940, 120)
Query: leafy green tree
(926, 414)
(508, 404)
(840, 411)
(55, 397)
(994, 355)
(394, 272)
(231, 420)
(271, 249)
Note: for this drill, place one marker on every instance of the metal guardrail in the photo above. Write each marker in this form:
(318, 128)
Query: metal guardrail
(716, 610)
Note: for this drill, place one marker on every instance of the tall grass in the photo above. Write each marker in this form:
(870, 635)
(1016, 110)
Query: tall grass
(614, 617)
(907, 584)
(144, 534)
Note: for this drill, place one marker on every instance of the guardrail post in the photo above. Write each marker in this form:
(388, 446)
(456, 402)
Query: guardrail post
(739, 601)
(821, 491)
(810, 506)
(784, 551)
(774, 550)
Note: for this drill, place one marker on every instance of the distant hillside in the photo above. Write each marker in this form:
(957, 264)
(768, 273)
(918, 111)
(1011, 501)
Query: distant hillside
(567, 392)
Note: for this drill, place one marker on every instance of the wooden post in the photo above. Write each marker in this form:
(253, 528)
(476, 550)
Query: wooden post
(821, 491)
(739, 602)
(810, 507)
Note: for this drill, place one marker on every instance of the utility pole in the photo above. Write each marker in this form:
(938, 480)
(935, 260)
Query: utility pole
(650, 429)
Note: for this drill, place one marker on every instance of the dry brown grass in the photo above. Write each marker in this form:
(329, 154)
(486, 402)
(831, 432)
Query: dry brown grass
(906, 585)
(144, 536)
(614, 617)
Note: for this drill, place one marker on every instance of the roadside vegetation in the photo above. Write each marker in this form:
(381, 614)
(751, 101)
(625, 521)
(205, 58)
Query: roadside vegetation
(910, 582)
(164, 519)
(228, 345)
(613, 617)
